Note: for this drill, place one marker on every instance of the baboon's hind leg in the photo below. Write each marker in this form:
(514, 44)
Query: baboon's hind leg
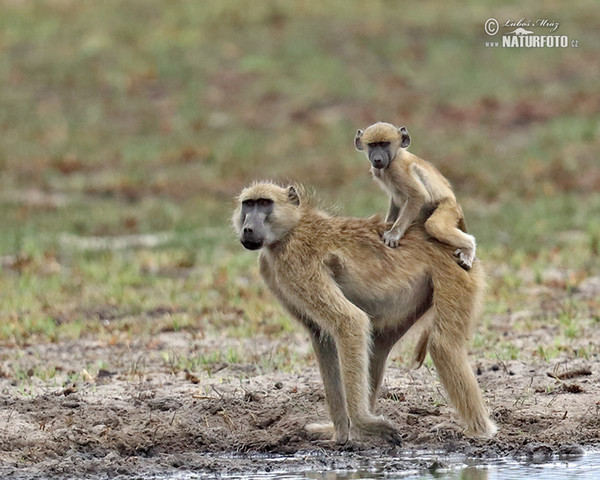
(449, 355)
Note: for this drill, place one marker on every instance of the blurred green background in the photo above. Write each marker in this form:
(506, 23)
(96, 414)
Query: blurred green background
(129, 127)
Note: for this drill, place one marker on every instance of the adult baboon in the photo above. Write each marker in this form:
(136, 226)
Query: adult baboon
(357, 297)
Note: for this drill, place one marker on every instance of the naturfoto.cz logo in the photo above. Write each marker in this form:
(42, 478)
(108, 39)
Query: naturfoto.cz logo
(525, 33)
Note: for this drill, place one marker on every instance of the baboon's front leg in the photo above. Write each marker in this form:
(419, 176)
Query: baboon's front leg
(353, 347)
(350, 329)
(311, 316)
(335, 395)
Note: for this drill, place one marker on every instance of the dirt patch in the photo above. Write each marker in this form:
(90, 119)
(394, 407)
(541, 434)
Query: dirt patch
(134, 416)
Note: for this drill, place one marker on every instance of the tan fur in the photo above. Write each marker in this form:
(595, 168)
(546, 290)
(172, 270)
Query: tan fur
(357, 297)
(413, 183)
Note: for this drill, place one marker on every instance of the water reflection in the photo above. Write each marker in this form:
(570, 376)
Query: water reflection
(585, 467)
(430, 467)
(465, 473)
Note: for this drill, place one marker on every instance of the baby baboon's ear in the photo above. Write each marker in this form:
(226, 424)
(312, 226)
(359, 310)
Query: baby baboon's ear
(293, 196)
(405, 142)
(357, 141)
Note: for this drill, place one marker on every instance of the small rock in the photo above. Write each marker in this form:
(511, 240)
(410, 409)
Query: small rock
(164, 404)
(251, 397)
(572, 388)
(412, 419)
(537, 452)
(435, 466)
(570, 450)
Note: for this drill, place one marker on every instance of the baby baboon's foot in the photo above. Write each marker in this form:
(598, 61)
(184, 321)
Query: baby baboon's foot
(466, 254)
(465, 258)
(379, 427)
(391, 238)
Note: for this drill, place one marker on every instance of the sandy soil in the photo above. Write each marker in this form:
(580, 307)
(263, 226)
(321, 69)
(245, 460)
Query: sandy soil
(138, 418)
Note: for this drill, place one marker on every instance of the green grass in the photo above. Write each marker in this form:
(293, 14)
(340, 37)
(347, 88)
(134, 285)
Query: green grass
(121, 120)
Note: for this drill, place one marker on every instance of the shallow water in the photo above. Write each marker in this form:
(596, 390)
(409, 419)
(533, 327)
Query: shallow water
(585, 467)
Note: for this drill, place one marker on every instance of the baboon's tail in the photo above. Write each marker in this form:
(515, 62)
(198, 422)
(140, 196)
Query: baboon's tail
(421, 349)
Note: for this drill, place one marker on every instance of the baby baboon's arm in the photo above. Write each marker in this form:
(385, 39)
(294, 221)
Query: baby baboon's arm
(417, 194)
(393, 212)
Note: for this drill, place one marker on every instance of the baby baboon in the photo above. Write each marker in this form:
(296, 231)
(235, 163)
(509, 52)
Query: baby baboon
(357, 297)
(412, 184)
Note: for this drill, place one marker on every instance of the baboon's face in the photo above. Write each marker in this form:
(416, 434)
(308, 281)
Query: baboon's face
(379, 154)
(266, 213)
(382, 141)
(254, 222)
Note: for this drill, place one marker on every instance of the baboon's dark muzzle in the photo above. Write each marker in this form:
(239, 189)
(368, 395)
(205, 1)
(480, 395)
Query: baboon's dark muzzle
(252, 244)
(378, 162)
(251, 239)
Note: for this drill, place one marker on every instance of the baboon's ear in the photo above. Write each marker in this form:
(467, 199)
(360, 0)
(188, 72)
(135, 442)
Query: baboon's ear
(405, 142)
(357, 141)
(293, 196)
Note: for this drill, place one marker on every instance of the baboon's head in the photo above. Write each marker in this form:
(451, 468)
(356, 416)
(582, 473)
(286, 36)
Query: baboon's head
(383, 140)
(265, 214)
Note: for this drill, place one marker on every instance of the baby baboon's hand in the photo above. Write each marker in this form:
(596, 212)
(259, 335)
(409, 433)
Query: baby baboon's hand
(392, 238)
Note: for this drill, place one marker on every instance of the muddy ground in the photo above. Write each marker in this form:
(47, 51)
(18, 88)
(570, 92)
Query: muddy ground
(138, 418)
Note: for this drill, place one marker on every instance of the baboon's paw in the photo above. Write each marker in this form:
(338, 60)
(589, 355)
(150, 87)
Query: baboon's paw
(391, 239)
(447, 426)
(381, 428)
(484, 428)
(465, 260)
(321, 430)
(326, 431)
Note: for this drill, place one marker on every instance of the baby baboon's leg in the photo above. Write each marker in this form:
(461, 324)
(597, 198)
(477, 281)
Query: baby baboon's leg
(335, 395)
(443, 225)
(449, 355)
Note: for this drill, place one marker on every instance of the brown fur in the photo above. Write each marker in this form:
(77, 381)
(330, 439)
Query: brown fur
(412, 184)
(357, 297)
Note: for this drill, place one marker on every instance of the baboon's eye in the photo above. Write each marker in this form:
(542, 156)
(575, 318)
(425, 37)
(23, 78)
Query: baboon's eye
(265, 202)
(378, 144)
(249, 203)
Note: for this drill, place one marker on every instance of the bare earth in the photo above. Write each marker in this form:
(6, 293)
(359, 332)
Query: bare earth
(138, 418)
